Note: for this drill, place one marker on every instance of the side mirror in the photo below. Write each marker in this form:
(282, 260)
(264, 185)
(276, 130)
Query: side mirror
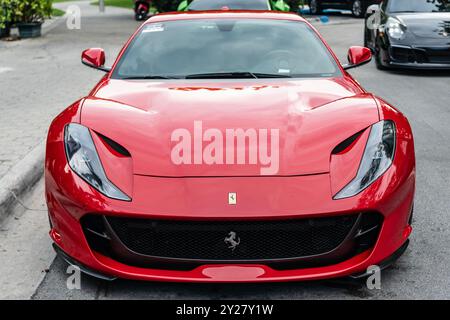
(357, 56)
(94, 58)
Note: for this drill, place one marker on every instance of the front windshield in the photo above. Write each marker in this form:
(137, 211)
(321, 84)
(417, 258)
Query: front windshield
(418, 6)
(256, 47)
(197, 5)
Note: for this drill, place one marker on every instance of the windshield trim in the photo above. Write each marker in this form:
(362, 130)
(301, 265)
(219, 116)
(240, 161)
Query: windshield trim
(339, 73)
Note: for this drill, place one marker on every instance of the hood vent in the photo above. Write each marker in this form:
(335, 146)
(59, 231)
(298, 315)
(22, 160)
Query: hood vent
(341, 147)
(114, 145)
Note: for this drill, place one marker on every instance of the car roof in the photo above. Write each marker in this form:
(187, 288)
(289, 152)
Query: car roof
(244, 14)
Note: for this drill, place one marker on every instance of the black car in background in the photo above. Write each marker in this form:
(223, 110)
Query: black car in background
(409, 34)
(358, 7)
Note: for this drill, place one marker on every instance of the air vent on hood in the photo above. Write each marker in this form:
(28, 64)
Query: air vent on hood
(115, 146)
(346, 143)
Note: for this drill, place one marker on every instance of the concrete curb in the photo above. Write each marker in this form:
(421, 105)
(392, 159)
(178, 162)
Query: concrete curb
(20, 179)
(53, 24)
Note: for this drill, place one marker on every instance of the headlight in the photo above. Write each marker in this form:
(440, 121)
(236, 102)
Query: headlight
(377, 158)
(395, 29)
(84, 161)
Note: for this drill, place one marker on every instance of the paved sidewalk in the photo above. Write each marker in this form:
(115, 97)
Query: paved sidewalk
(40, 77)
(25, 247)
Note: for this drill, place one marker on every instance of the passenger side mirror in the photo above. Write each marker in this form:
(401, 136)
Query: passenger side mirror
(357, 56)
(94, 58)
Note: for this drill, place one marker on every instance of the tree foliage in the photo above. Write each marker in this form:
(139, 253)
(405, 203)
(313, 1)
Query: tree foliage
(33, 10)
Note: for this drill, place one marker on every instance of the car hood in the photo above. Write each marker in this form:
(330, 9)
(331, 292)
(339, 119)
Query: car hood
(427, 25)
(311, 117)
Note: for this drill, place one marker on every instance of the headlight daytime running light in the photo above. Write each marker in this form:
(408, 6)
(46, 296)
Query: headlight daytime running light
(377, 158)
(85, 162)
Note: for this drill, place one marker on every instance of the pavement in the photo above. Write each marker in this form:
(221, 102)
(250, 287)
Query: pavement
(46, 78)
(41, 77)
(25, 247)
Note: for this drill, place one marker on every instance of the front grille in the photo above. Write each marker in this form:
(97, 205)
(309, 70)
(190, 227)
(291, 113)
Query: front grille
(439, 55)
(185, 245)
(408, 55)
(258, 240)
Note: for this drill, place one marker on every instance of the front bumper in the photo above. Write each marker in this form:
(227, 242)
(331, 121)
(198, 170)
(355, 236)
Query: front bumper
(273, 198)
(382, 265)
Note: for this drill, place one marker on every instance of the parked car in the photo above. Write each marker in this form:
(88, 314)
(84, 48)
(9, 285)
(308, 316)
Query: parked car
(409, 34)
(358, 7)
(229, 146)
(204, 5)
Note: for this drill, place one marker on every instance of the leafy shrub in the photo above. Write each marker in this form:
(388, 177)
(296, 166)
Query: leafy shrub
(28, 11)
(8, 10)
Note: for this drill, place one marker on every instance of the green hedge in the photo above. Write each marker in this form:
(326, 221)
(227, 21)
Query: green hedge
(24, 11)
(7, 12)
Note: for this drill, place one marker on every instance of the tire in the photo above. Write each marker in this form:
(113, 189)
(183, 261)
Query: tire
(315, 7)
(378, 60)
(358, 9)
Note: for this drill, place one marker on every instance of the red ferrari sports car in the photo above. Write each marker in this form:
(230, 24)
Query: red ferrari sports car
(229, 147)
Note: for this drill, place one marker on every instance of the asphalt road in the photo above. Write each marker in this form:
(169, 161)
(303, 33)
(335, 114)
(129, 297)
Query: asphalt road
(422, 272)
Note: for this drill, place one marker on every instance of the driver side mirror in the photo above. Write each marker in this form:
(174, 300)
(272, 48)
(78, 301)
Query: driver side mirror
(357, 56)
(94, 58)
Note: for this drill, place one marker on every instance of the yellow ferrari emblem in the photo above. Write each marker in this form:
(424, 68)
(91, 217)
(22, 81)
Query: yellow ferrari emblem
(232, 199)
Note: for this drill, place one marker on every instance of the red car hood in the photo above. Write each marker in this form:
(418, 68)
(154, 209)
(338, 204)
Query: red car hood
(312, 117)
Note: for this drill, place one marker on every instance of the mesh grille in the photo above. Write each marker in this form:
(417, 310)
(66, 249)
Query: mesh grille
(438, 55)
(258, 240)
(421, 55)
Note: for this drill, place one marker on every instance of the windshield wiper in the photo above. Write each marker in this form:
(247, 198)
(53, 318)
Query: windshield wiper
(148, 77)
(212, 75)
(227, 75)
(234, 75)
(271, 75)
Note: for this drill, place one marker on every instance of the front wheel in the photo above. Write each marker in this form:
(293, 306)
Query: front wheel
(358, 8)
(378, 62)
(315, 7)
